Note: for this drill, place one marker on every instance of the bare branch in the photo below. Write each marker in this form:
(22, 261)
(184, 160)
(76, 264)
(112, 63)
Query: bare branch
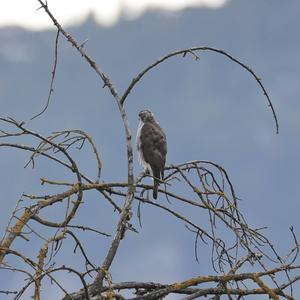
(192, 51)
(52, 78)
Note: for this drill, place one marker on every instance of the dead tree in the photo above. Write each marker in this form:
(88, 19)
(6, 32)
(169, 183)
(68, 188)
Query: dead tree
(203, 185)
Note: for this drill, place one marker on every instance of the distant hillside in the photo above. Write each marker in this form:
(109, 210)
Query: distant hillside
(210, 109)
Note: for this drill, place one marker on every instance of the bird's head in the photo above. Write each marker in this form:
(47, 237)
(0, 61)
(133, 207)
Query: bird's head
(146, 115)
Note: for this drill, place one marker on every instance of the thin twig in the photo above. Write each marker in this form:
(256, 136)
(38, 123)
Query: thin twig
(52, 78)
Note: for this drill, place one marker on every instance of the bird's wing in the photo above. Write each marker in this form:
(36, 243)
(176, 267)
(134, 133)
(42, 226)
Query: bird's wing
(154, 147)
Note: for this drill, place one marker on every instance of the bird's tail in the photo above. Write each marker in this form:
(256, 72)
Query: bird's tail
(156, 181)
(155, 188)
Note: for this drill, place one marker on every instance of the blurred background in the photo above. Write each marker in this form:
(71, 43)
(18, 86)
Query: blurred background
(210, 109)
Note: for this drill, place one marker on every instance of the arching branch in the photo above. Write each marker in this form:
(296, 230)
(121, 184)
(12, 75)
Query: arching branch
(184, 52)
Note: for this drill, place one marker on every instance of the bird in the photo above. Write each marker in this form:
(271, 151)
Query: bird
(151, 145)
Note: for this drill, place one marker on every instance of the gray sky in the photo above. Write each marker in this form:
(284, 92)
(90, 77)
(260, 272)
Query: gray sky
(25, 13)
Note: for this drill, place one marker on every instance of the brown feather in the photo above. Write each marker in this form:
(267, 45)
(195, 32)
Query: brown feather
(153, 147)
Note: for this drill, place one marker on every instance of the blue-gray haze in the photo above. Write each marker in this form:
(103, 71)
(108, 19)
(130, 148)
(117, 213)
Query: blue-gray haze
(210, 109)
